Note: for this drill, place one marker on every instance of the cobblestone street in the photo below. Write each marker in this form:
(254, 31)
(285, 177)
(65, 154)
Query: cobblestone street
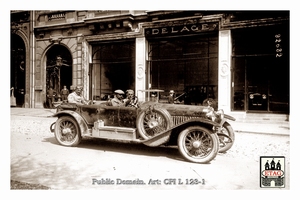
(247, 149)
(247, 145)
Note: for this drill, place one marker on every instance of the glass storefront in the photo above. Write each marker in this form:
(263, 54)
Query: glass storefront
(186, 65)
(261, 69)
(113, 68)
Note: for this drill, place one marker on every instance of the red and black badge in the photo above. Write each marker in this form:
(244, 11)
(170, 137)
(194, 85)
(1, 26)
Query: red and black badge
(272, 170)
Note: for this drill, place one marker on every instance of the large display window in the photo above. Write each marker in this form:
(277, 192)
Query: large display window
(261, 69)
(113, 68)
(188, 65)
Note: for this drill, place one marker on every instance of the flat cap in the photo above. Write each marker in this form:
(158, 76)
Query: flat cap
(129, 90)
(119, 92)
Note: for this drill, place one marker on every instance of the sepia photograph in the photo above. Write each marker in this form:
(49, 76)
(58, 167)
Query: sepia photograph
(158, 99)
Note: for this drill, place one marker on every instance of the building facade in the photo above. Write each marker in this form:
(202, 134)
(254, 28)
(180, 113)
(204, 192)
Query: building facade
(240, 59)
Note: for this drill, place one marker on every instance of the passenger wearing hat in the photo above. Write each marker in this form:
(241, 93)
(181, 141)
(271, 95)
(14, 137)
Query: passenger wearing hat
(117, 100)
(171, 97)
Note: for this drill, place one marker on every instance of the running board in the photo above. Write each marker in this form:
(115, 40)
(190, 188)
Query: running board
(116, 133)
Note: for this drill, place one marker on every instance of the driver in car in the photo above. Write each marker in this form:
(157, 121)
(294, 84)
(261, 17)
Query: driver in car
(118, 99)
(76, 97)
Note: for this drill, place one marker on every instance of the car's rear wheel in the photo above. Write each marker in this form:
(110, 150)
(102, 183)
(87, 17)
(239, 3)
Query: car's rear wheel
(67, 131)
(151, 122)
(226, 138)
(198, 144)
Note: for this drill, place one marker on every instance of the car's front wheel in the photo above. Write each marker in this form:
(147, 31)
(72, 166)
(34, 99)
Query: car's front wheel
(67, 131)
(198, 144)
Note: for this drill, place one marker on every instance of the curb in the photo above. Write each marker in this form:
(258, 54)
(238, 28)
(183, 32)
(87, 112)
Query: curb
(261, 132)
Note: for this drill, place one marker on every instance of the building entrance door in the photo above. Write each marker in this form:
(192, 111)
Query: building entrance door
(262, 84)
(257, 83)
(17, 70)
(58, 74)
(261, 69)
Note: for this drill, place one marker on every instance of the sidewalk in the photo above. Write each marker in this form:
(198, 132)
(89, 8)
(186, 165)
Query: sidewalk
(282, 128)
(266, 128)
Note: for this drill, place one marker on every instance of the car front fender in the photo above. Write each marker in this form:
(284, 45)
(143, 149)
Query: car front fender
(164, 137)
(80, 121)
(229, 117)
(226, 118)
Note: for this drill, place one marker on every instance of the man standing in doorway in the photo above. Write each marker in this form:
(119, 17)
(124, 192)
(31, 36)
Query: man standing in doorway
(50, 97)
(64, 94)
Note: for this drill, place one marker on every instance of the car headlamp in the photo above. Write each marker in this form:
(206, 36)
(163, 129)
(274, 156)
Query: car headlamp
(210, 114)
(220, 113)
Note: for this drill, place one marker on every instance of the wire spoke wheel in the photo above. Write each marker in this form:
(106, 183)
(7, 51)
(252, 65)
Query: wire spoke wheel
(154, 123)
(151, 123)
(67, 131)
(198, 144)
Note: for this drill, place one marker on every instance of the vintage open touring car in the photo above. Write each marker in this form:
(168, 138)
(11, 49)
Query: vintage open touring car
(199, 132)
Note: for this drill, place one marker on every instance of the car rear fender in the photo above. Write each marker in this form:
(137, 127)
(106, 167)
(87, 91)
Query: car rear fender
(80, 121)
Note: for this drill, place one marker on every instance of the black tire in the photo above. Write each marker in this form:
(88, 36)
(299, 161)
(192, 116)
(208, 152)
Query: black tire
(51, 127)
(198, 144)
(152, 122)
(225, 142)
(67, 131)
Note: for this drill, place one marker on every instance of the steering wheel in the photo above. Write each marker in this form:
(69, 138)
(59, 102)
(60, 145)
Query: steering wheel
(133, 102)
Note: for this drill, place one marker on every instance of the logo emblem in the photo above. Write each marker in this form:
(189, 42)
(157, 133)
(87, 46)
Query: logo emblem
(272, 171)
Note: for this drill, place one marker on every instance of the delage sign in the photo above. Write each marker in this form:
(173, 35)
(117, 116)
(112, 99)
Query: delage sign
(182, 29)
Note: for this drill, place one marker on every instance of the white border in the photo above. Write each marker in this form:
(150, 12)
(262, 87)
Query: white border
(150, 5)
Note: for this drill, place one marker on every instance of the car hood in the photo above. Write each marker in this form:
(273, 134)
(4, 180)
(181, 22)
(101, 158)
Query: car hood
(178, 109)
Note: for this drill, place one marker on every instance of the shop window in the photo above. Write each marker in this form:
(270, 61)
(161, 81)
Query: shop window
(188, 65)
(113, 68)
(261, 69)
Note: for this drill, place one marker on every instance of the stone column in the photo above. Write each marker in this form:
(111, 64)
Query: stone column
(140, 66)
(224, 77)
(85, 68)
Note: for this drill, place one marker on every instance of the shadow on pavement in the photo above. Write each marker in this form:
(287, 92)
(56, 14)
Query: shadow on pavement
(122, 147)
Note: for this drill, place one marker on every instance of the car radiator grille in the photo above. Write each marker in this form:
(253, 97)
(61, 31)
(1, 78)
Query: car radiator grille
(180, 119)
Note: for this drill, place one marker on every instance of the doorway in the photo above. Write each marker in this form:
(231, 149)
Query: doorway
(260, 69)
(58, 71)
(257, 80)
(18, 69)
